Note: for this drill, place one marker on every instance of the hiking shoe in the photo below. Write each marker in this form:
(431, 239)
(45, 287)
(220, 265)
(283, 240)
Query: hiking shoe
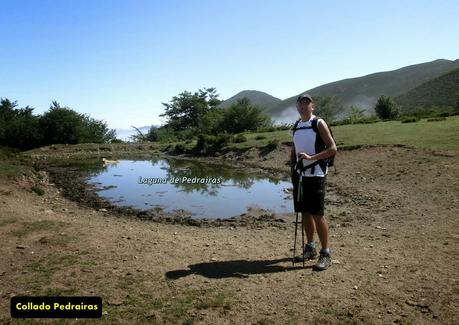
(310, 252)
(324, 262)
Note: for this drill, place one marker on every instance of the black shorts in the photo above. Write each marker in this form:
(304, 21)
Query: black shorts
(313, 198)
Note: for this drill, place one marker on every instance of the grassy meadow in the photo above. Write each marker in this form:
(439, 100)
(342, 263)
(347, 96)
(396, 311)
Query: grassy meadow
(442, 135)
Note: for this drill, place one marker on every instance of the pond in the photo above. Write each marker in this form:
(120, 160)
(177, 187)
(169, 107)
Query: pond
(205, 190)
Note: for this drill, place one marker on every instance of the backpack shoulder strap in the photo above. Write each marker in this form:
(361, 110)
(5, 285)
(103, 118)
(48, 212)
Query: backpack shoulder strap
(314, 124)
(295, 126)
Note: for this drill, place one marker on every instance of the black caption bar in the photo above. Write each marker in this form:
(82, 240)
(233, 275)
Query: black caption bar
(56, 307)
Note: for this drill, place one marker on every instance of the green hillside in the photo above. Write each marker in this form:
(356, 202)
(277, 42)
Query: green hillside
(256, 97)
(364, 91)
(442, 92)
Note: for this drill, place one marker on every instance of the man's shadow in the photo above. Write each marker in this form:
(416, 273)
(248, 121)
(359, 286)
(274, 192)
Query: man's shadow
(235, 269)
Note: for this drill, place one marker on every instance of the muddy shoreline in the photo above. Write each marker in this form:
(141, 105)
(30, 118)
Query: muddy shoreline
(72, 182)
(58, 161)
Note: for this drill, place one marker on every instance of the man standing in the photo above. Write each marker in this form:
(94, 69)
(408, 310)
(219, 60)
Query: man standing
(313, 144)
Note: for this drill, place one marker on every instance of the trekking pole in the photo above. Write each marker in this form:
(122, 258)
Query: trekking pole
(302, 237)
(294, 242)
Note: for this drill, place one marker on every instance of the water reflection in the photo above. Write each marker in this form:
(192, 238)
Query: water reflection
(203, 189)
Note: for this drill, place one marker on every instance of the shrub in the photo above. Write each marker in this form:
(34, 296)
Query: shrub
(209, 144)
(436, 119)
(268, 129)
(179, 148)
(243, 116)
(410, 119)
(272, 144)
(239, 138)
(260, 137)
(38, 190)
(386, 109)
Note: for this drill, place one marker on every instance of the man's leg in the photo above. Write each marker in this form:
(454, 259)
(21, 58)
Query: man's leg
(325, 257)
(322, 230)
(308, 226)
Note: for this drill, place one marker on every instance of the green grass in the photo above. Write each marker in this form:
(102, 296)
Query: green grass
(31, 227)
(44, 269)
(10, 164)
(172, 309)
(11, 167)
(422, 134)
(264, 138)
(6, 221)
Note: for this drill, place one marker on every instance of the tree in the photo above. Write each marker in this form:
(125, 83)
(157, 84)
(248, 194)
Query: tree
(64, 125)
(18, 127)
(185, 110)
(355, 114)
(60, 125)
(386, 109)
(327, 107)
(211, 122)
(243, 116)
(94, 131)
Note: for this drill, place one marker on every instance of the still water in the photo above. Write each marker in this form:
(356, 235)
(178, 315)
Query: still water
(207, 191)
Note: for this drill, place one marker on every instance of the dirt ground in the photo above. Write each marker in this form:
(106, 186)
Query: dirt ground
(394, 227)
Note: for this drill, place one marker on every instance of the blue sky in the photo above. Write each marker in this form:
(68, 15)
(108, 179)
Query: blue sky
(119, 60)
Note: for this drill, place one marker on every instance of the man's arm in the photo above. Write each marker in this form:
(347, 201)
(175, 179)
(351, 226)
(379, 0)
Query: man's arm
(327, 138)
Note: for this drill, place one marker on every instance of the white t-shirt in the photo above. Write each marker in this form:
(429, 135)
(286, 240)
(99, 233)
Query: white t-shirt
(304, 141)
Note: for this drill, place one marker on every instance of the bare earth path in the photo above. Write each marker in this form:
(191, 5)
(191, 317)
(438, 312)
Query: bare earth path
(393, 214)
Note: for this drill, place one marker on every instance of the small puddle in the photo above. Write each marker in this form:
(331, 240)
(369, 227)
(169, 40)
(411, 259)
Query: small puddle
(205, 190)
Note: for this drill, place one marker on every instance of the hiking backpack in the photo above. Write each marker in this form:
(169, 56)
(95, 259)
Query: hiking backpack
(319, 145)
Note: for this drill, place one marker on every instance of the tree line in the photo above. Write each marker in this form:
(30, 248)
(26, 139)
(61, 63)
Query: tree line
(188, 115)
(21, 128)
(199, 113)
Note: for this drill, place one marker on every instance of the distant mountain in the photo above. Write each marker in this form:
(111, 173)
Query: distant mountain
(441, 91)
(256, 97)
(364, 91)
(124, 134)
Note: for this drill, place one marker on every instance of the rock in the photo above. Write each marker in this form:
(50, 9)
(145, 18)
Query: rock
(43, 240)
(102, 210)
(355, 287)
(21, 247)
(213, 259)
(114, 302)
(153, 314)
